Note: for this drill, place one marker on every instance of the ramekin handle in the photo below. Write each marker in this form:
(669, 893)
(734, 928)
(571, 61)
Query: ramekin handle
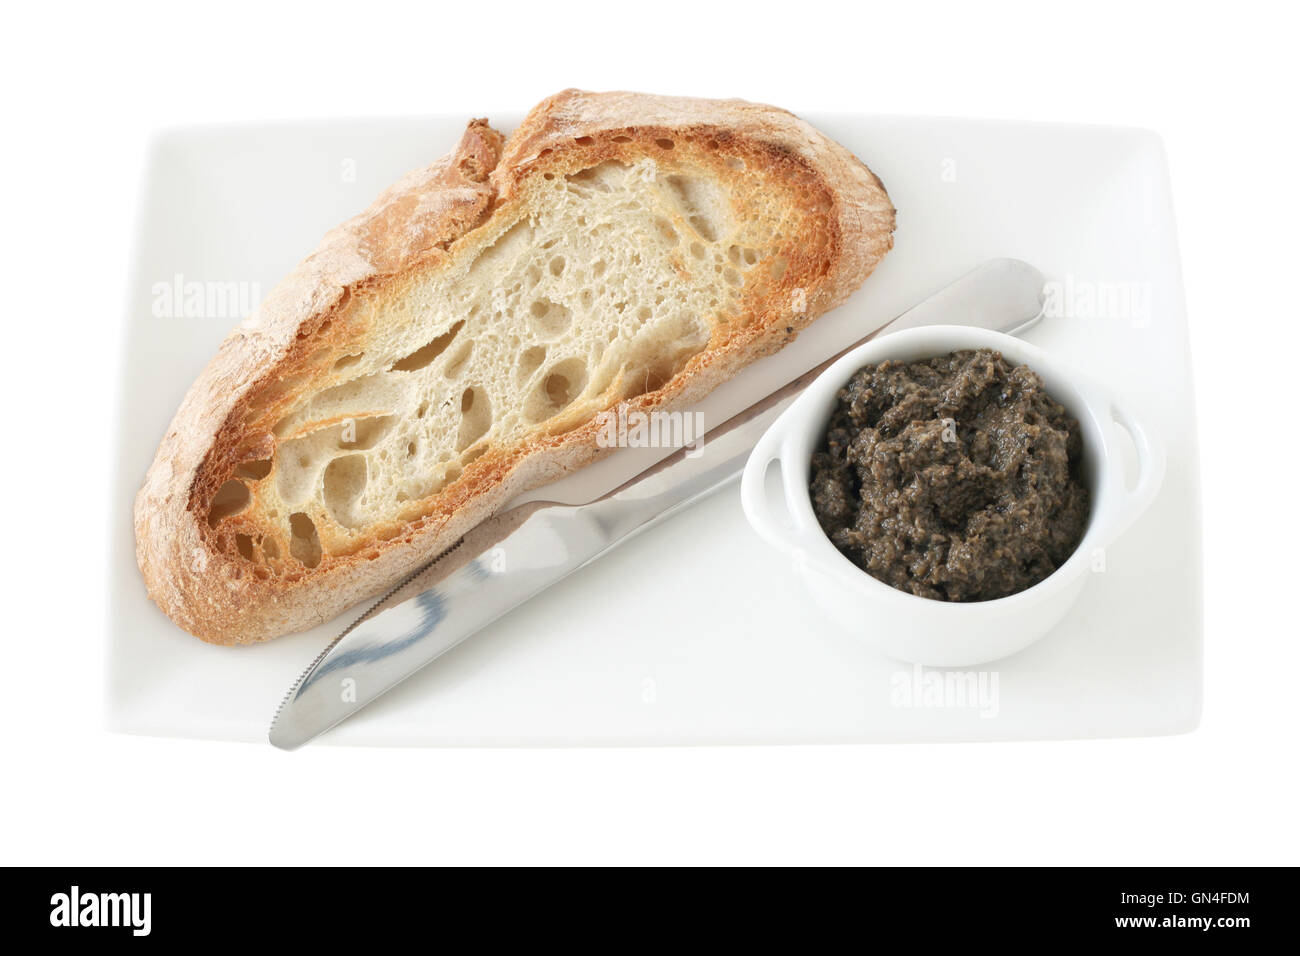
(753, 491)
(1151, 467)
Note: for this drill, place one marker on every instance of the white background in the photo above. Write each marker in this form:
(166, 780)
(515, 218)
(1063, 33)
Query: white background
(83, 89)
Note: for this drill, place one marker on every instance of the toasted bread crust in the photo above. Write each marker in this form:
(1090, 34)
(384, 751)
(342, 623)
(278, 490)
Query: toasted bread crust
(190, 567)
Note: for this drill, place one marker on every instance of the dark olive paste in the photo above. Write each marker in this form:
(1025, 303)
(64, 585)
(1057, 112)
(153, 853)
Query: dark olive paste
(954, 478)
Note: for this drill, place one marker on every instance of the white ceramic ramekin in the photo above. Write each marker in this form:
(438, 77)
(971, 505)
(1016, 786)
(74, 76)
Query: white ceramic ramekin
(921, 630)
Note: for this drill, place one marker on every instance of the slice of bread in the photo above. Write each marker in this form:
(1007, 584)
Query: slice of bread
(452, 346)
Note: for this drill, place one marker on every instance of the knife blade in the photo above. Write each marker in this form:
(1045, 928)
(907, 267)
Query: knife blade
(514, 555)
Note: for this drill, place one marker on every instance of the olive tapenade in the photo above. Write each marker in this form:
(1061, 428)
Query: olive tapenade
(954, 478)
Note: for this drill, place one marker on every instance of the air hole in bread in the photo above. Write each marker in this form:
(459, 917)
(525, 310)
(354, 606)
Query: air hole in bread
(345, 481)
(606, 177)
(347, 361)
(665, 143)
(363, 397)
(652, 368)
(304, 542)
(529, 362)
(559, 389)
(705, 227)
(644, 380)
(549, 319)
(244, 545)
(423, 356)
(230, 499)
(253, 470)
(475, 417)
(559, 386)
(702, 204)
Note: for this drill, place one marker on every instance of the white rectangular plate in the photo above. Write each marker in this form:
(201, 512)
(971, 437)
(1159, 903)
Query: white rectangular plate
(696, 632)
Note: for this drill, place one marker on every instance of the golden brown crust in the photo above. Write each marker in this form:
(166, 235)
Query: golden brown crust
(192, 568)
